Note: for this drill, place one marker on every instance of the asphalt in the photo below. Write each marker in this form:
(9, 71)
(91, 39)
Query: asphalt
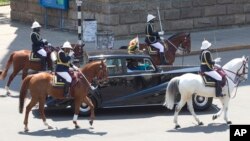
(16, 36)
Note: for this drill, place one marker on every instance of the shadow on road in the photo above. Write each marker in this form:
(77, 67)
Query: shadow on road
(62, 133)
(210, 128)
(121, 113)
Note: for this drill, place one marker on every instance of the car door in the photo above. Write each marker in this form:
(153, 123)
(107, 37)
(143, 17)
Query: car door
(131, 88)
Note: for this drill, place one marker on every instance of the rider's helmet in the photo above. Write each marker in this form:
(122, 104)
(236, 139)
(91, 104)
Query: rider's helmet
(35, 24)
(67, 45)
(150, 17)
(205, 44)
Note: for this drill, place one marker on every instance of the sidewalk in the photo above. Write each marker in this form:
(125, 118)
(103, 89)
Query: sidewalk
(16, 36)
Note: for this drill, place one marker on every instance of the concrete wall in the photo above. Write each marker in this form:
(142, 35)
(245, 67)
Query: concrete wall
(128, 17)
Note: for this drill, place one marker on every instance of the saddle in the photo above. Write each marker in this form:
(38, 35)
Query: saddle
(154, 51)
(210, 82)
(59, 82)
(34, 57)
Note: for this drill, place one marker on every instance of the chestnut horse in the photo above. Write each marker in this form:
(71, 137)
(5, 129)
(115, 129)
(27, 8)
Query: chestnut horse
(40, 86)
(20, 61)
(179, 41)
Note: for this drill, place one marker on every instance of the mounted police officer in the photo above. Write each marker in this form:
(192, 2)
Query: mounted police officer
(152, 38)
(207, 66)
(64, 57)
(38, 44)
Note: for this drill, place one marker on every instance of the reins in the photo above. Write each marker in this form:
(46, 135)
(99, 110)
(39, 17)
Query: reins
(237, 79)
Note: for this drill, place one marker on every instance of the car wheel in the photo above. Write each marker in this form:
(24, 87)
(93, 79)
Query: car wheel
(201, 103)
(84, 108)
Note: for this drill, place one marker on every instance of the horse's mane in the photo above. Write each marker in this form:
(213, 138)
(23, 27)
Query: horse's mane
(233, 63)
(176, 35)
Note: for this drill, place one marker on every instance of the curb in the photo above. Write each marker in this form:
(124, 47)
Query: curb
(222, 49)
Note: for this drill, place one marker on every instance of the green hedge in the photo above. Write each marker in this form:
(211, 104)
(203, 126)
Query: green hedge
(4, 2)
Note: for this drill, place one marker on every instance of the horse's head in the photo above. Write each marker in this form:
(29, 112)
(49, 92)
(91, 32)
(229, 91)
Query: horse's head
(181, 41)
(243, 71)
(237, 69)
(102, 73)
(78, 49)
(99, 71)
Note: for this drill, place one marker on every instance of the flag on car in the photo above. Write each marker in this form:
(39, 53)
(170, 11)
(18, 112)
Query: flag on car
(133, 45)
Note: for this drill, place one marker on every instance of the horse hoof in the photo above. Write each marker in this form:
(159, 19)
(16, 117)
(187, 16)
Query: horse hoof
(214, 117)
(91, 122)
(201, 123)
(229, 122)
(26, 130)
(77, 126)
(8, 94)
(177, 126)
(50, 127)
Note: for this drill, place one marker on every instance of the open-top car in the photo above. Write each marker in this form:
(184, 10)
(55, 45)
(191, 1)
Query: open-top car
(133, 80)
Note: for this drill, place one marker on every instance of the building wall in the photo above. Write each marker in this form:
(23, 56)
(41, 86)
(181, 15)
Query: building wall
(128, 17)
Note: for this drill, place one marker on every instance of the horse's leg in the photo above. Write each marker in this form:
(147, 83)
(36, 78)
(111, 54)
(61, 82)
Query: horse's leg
(177, 110)
(191, 110)
(92, 109)
(42, 114)
(218, 114)
(77, 103)
(28, 109)
(225, 103)
(11, 77)
(25, 73)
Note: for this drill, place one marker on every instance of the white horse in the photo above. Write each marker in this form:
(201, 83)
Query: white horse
(188, 84)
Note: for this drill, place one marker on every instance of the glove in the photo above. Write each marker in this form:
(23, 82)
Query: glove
(49, 44)
(71, 53)
(161, 33)
(44, 40)
(216, 60)
(217, 66)
(75, 67)
(162, 38)
(92, 87)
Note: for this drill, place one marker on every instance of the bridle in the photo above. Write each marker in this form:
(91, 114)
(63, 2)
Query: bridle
(181, 48)
(102, 73)
(239, 77)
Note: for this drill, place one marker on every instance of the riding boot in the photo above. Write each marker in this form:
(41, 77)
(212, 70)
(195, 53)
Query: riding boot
(66, 90)
(163, 58)
(218, 89)
(44, 63)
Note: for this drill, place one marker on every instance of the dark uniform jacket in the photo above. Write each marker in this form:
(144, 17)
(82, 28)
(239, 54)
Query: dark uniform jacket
(151, 36)
(37, 42)
(207, 62)
(63, 62)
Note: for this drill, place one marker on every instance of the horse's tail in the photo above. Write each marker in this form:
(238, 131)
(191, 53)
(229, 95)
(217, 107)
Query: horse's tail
(171, 91)
(5, 71)
(24, 88)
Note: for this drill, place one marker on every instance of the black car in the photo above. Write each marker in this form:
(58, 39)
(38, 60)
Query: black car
(133, 80)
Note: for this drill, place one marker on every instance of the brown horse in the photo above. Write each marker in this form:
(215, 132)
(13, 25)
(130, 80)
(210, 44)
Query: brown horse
(20, 61)
(40, 86)
(180, 41)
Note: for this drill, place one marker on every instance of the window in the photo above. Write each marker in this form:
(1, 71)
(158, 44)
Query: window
(114, 66)
(139, 65)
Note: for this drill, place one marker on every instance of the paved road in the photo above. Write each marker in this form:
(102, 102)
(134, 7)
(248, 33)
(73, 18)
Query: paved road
(140, 124)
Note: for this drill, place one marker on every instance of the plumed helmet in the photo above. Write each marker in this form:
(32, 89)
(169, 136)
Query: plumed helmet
(35, 24)
(67, 45)
(205, 44)
(150, 17)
